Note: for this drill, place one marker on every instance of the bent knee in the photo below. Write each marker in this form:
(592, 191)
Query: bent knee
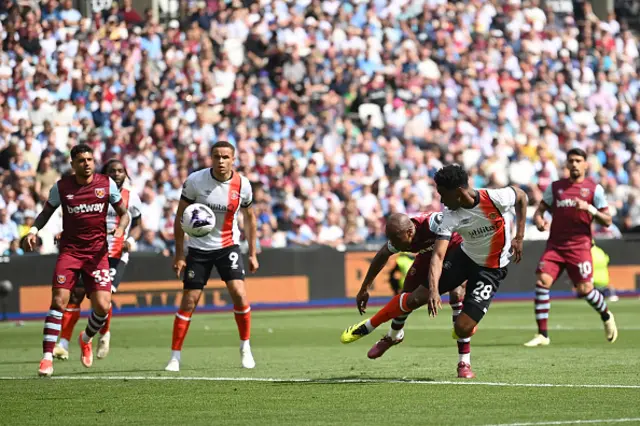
(418, 298)
(584, 289)
(58, 303)
(189, 301)
(465, 326)
(544, 280)
(456, 295)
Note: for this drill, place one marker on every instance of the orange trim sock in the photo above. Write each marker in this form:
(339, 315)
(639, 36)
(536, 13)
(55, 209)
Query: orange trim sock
(105, 329)
(69, 320)
(395, 308)
(243, 320)
(180, 327)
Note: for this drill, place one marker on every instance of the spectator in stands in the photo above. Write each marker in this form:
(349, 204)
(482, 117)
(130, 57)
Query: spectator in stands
(8, 230)
(337, 109)
(150, 243)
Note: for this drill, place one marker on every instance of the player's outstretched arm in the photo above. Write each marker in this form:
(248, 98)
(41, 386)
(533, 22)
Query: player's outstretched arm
(250, 231)
(379, 261)
(40, 222)
(521, 222)
(435, 271)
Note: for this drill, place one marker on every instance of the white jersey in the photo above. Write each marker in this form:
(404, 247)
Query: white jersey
(225, 199)
(486, 229)
(132, 203)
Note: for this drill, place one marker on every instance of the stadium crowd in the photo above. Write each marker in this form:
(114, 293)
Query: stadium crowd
(341, 110)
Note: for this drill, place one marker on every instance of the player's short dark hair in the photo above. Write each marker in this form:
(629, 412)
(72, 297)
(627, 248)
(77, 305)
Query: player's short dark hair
(451, 177)
(223, 144)
(80, 149)
(105, 167)
(577, 151)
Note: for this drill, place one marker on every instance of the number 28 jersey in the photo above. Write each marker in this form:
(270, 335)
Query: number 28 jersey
(225, 199)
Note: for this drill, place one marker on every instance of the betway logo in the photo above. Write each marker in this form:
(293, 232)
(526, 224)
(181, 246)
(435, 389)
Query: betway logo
(86, 208)
(566, 203)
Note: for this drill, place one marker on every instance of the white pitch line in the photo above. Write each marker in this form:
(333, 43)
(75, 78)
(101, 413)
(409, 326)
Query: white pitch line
(571, 422)
(325, 381)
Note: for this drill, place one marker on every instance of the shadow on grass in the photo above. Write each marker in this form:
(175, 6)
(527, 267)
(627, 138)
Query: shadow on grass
(137, 372)
(353, 380)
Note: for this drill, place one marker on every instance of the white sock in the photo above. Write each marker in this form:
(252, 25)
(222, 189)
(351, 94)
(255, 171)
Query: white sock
(48, 356)
(370, 328)
(86, 338)
(64, 343)
(466, 358)
(396, 334)
(107, 334)
(244, 344)
(175, 355)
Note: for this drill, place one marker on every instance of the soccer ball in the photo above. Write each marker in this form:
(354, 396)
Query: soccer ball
(198, 220)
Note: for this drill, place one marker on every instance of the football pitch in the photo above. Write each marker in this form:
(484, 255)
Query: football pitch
(304, 375)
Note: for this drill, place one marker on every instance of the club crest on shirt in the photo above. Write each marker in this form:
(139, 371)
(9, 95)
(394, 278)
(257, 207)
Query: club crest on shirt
(100, 192)
(493, 216)
(412, 271)
(584, 192)
(61, 279)
(235, 195)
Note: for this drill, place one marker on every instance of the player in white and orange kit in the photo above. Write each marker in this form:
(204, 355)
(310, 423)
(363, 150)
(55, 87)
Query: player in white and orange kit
(226, 192)
(484, 219)
(119, 249)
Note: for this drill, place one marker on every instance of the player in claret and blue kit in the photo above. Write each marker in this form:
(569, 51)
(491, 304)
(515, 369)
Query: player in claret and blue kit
(574, 203)
(84, 197)
(119, 249)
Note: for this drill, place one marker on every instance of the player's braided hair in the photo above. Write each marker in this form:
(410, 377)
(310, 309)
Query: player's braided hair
(105, 167)
(451, 177)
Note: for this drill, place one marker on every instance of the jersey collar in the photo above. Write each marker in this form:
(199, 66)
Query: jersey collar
(216, 179)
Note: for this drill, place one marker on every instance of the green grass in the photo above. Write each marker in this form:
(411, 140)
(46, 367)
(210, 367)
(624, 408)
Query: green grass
(305, 345)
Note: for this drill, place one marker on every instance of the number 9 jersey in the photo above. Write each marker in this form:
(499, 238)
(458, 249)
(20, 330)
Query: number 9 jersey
(220, 248)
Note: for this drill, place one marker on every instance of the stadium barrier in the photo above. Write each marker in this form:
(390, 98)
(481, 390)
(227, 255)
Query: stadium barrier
(306, 277)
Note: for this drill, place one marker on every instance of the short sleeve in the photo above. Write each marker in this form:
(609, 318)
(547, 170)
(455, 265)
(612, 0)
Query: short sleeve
(391, 248)
(599, 198)
(547, 196)
(503, 198)
(114, 193)
(135, 205)
(188, 191)
(54, 196)
(246, 194)
(443, 225)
